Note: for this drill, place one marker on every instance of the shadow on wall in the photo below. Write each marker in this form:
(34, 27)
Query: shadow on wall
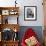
(37, 29)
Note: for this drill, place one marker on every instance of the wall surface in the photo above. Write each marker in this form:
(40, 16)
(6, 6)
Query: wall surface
(21, 4)
(37, 3)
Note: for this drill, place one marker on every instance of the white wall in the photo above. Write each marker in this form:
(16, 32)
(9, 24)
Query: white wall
(21, 4)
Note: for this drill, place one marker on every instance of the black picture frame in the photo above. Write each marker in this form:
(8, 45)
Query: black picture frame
(30, 13)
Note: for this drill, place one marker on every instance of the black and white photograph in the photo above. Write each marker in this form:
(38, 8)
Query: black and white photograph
(30, 12)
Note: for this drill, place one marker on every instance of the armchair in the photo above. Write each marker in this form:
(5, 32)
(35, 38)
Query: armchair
(30, 38)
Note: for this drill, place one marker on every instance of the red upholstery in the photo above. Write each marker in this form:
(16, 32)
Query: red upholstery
(29, 33)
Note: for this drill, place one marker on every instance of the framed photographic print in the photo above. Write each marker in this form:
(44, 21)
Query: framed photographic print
(5, 12)
(30, 13)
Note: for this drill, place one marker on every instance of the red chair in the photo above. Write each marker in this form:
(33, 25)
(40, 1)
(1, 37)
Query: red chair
(29, 33)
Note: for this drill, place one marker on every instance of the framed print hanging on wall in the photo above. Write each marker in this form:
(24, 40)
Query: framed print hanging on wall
(30, 13)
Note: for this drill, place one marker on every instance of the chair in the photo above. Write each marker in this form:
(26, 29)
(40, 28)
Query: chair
(28, 34)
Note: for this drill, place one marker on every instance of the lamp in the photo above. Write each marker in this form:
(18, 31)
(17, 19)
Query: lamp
(15, 3)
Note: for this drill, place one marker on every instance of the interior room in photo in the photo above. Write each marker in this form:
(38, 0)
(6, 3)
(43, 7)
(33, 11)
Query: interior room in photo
(22, 23)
